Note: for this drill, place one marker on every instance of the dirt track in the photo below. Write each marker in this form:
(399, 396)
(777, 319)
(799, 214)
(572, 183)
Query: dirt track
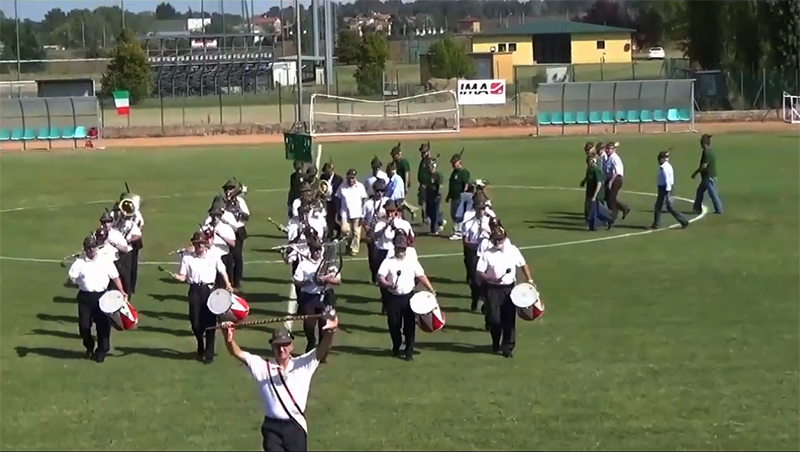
(484, 132)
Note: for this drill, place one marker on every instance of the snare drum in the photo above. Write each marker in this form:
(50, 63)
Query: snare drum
(121, 313)
(228, 307)
(429, 317)
(526, 298)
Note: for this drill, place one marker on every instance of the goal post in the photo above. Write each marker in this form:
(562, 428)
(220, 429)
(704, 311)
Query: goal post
(791, 108)
(434, 112)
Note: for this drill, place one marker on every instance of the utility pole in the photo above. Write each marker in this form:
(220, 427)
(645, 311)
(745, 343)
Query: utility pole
(329, 45)
(19, 62)
(297, 38)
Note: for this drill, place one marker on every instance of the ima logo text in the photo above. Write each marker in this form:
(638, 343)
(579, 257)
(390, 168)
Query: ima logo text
(481, 92)
(493, 87)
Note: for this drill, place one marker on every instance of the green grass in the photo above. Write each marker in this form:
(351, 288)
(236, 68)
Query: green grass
(681, 339)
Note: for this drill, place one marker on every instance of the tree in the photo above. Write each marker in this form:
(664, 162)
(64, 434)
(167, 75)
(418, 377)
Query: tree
(705, 35)
(165, 11)
(373, 51)
(128, 69)
(29, 48)
(347, 47)
(449, 59)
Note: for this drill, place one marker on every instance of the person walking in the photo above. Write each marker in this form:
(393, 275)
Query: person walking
(708, 177)
(665, 182)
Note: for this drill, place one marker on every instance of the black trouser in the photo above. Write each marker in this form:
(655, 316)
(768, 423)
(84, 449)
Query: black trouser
(137, 245)
(201, 318)
(237, 258)
(89, 312)
(283, 435)
(374, 260)
(124, 264)
(381, 256)
(470, 264)
(502, 316)
(309, 304)
(664, 199)
(612, 198)
(334, 228)
(401, 321)
(227, 259)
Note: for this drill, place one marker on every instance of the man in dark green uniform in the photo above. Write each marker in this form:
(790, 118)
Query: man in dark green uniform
(295, 180)
(708, 177)
(594, 193)
(459, 182)
(423, 176)
(433, 198)
(401, 165)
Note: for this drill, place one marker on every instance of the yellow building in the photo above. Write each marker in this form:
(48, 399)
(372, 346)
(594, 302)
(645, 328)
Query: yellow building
(557, 42)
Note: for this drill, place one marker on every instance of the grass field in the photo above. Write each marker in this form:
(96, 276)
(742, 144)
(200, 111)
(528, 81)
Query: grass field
(680, 339)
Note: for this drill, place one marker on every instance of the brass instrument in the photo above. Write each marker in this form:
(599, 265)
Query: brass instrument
(373, 221)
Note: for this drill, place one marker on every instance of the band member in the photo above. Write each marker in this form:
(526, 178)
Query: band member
(351, 197)
(384, 232)
(402, 166)
(131, 227)
(377, 173)
(306, 196)
(315, 292)
(115, 248)
(94, 275)
(497, 268)
(614, 170)
(371, 213)
(595, 194)
(284, 385)
(665, 181)
(396, 188)
(300, 232)
(432, 197)
(201, 269)
(236, 209)
(459, 183)
(221, 236)
(333, 203)
(474, 230)
(423, 178)
(295, 181)
(311, 174)
(398, 276)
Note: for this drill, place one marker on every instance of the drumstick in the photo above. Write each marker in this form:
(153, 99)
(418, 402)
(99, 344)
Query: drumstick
(397, 279)
(173, 275)
(180, 251)
(287, 318)
(280, 227)
(71, 256)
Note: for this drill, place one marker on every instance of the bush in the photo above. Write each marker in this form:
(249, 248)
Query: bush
(373, 51)
(128, 69)
(449, 59)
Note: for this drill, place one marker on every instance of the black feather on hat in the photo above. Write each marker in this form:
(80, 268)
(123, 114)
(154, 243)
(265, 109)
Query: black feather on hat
(376, 162)
(106, 218)
(230, 184)
(395, 150)
(198, 237)
(327, 167)
(89, 242)
(455, 158)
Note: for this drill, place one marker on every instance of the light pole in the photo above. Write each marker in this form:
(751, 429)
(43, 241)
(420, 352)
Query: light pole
(19, 57)
(122, 6)
(298, 39)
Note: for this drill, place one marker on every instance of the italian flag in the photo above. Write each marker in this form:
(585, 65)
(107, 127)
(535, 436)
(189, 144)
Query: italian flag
(122, 102)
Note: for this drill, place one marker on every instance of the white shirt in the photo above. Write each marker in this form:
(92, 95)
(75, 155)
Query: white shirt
(138, 218)
(495, 263)
(411, 253)
(398, 188)
(297, 375)
(370, 206)
(228, 218)
(131, 230)
(473, 228)
(613, 165)
(666, 176)
(243, 205)
(371, 180)
(201, 270)
(295, 229)
(218, 246)
(92, 275)
(409, 269)
(352, 200)
(384, 240)
(305, 276)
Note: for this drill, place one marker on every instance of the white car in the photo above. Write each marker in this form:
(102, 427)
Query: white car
(656, 53)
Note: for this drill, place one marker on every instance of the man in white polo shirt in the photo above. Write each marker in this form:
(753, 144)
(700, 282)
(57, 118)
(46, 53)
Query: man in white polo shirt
(664, 182)
(474, 229)
(316, 290)
(377, 173)
(614, 171)
(497, 268)
(352, 195)
(399, 275)
(284, 384)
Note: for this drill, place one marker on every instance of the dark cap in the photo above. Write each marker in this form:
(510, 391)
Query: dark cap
(425, 147)
(106, 218)
(304, 187)
(379, 184)
(352, 172)
(375, 163)
(281, 336)
(298, 165)
(314, 245)
(198, 237)
(498, 235)
(400, 241)
(390, 206)
(216, 209)
(230, 184)
(395, 150)
(705, 139)
(311, 171)
(663, 155)
(89, 242)
(455, 158)
(327, 167)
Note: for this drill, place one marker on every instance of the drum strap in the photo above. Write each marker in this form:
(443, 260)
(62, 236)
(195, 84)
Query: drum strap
(301, 420)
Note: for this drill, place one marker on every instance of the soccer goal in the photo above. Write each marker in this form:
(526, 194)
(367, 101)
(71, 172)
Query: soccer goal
(791, 108)
(434, 112)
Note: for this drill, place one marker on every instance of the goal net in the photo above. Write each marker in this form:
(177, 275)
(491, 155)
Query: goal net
(434, 112)
(791, 108)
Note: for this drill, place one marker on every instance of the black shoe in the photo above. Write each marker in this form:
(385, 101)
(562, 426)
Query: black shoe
(99, 357)
(409, 357)
(208, 360)
(474, 305)
(89, 354)
(396, 353)
(495, 349)
(697, 211)
(685, 225)
(625, 213)
(486, 326)
(655, 226)
(200, 353)
(508, 354)
(609, 225)
(413, 351)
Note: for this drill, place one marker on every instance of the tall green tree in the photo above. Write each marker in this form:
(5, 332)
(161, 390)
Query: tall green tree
(783, 34)
(347, 47)
(128, 69)
(449, 59)
(373, 51)
(705, 33)
(165, 11)
(29, 47)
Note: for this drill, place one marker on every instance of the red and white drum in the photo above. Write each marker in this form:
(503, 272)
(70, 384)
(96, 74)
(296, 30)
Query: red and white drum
(526, 298)
(228, 307)
(121, 313)
(429, 317)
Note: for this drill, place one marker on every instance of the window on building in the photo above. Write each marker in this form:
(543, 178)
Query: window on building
(512, 46)
(601, 45)
(627, 47)
(501, 47)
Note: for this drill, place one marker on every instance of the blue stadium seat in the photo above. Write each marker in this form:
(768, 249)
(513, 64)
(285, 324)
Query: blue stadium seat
(672, 115)
(16, 134)
(80, 133)
(582, 117)
(569, 117)
(558, 118)
(685, 114)
(620, 116)
(544, 118)
(594, 117)
(608, 117)
(647, 116)
(659, 116)
(68, 133)
(29, 134)
(5, 134)
(44, 133)
(54, 133)
(633, 116)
